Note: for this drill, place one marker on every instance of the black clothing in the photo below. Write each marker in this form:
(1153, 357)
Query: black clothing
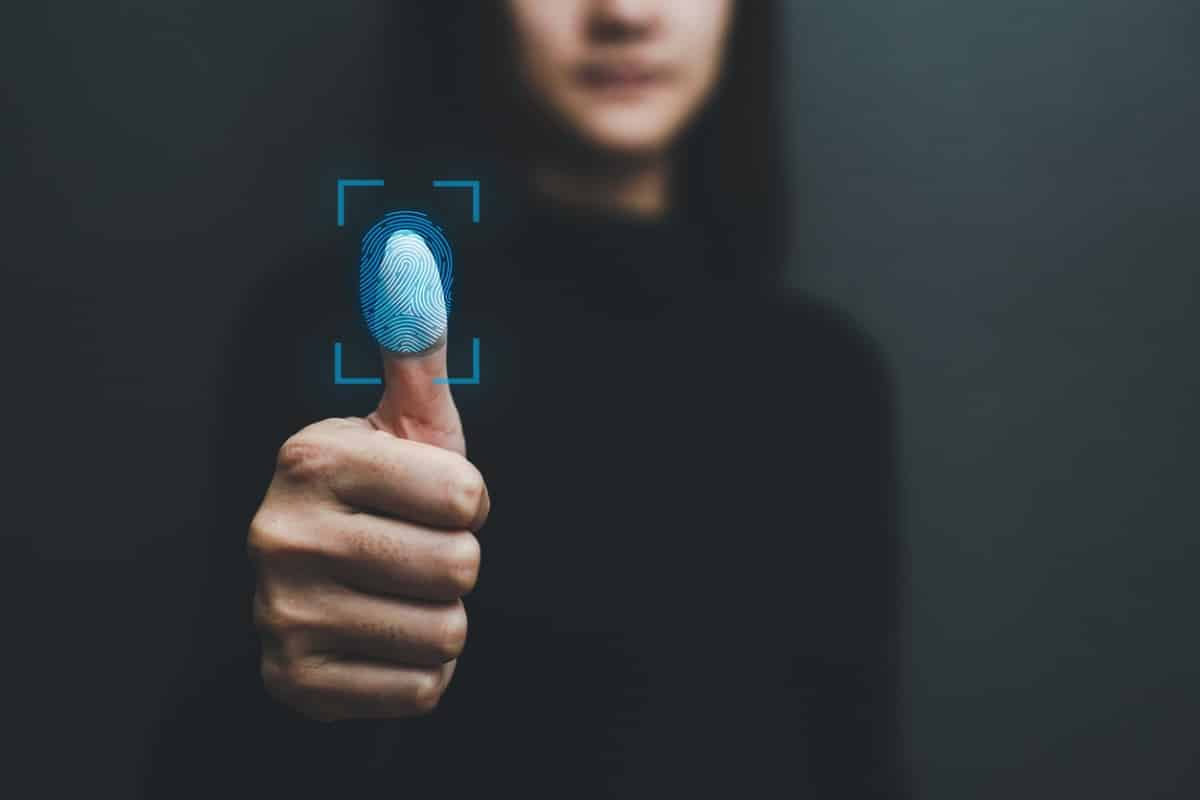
(689, 578)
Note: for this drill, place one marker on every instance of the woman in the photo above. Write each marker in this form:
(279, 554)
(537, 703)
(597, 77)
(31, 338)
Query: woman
(687, 581)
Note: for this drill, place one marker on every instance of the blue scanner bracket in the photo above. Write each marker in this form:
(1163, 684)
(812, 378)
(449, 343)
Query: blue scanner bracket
(344, 183)
(342, 380)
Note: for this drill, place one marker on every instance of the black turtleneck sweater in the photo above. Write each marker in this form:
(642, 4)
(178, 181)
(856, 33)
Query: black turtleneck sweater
(689, 577)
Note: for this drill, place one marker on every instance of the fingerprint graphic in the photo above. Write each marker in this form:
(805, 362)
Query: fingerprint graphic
(404, 282)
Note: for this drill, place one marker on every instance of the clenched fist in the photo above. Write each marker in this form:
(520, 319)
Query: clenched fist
(364, 546)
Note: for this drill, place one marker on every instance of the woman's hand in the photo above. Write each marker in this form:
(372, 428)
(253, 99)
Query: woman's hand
(364, 546)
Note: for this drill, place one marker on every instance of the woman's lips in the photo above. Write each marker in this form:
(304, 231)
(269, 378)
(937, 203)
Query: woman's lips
(619, 78)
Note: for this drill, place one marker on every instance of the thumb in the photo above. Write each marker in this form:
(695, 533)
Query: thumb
(404, 305)
(414, 406)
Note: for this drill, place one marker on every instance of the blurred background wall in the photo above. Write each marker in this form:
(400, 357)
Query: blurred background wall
(1004, 193)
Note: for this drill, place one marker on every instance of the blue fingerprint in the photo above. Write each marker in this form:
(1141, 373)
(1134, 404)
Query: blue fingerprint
(404, 281)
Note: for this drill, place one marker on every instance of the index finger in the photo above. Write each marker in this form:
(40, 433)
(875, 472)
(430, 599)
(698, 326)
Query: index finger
(410, 480)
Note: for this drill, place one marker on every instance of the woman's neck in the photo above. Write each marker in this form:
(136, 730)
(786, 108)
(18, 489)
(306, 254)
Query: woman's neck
(640, 190)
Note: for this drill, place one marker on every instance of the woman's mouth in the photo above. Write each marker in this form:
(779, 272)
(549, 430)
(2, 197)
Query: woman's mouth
(619, 78)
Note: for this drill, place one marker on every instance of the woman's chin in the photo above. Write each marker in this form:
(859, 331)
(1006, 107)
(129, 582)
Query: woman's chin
(626, 143)
(624, 130)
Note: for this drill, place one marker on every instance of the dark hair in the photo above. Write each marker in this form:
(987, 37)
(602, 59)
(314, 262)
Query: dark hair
(734, 178)
(731, 179)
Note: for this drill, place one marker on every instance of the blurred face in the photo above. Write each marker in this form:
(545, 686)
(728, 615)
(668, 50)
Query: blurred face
(624, 77)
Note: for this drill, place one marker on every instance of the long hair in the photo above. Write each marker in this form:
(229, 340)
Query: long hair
(730, 176)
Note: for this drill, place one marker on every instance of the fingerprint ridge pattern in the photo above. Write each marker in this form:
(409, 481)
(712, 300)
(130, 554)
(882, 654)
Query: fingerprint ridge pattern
(405, 277)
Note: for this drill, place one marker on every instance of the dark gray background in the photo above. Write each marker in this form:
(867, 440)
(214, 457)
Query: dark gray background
(1004, 193)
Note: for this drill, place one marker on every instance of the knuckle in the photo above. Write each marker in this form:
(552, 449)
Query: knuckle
(306, 457)
(299, 685)
(303, 681)
(465, 490)
(460, 565)
(427, 693)
(275, 535)
(451, 635)
(280, 615)
(266, 536)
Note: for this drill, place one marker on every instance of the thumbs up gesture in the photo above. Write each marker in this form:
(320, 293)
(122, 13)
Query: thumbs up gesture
(364, 545)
